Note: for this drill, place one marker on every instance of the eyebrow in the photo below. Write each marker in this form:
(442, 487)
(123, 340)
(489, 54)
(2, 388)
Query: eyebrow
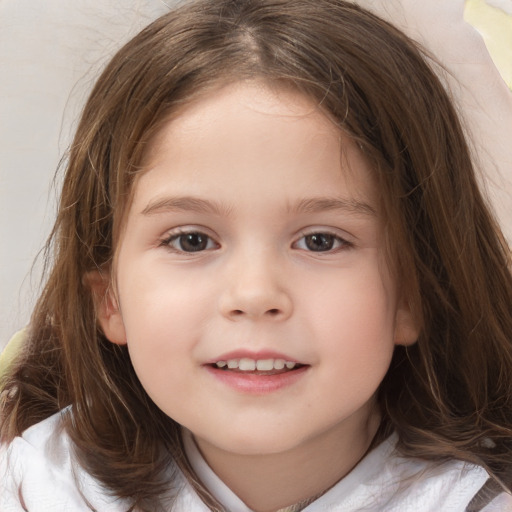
(311, 205)
(321, 204)
(185, 204)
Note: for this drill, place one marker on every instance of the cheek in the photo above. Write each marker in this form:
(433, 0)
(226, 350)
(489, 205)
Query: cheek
(162, 300)
(362, 299)
(353, 317)
(163, 319)
(161, 337)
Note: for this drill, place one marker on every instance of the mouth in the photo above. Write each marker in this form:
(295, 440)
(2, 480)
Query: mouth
(256, 374)
(262, 367)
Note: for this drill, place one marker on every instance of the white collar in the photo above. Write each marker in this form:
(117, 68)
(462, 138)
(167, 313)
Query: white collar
(382, 480)
(219, 490)
(369, 467)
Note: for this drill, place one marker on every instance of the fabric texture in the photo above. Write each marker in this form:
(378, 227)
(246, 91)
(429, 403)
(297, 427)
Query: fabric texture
(38, 473)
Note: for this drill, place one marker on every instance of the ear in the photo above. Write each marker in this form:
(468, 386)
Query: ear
(107, 307)
(407, 325)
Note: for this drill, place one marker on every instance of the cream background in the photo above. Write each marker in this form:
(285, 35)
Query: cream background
(50, 54)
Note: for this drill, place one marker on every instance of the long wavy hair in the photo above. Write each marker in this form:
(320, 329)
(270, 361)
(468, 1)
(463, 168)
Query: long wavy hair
(447, 396)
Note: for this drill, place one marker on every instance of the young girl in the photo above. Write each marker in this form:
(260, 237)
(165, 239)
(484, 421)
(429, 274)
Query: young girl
(275, 283)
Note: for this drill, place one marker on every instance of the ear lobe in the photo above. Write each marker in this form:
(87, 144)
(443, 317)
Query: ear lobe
(407, 329)
(107, 308)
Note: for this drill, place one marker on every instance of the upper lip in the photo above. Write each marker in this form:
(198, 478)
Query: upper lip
(250, 354)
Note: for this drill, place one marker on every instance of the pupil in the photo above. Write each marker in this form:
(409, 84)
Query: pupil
(193, 242)
(319, 242)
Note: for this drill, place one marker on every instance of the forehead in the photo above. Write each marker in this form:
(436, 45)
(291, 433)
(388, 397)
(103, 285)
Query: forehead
(249, 107)
(249, 137)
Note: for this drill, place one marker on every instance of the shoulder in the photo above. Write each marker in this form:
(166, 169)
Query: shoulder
(384, 481)
(452, 486)
(449, 486)
(37, 472)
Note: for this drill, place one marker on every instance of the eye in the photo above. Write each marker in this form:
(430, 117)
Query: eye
(321, 242)
(193, 241)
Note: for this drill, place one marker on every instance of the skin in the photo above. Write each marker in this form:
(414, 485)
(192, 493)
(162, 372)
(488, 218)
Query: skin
(272, 165)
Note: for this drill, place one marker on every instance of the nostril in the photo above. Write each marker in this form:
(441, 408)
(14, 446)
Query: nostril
(273, 312)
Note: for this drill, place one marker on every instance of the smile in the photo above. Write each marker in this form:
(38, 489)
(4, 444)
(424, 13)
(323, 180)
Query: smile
(256, 372)
(246, 364)
(254, 381)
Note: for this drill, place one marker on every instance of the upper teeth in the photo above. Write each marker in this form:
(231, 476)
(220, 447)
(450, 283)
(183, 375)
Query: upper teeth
(246, 364)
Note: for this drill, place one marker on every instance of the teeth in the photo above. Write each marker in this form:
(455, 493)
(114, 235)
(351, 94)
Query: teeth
(246, 364)
(264, 365)
(279, 364)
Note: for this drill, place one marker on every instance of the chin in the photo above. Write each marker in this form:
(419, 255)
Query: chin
(268, 440)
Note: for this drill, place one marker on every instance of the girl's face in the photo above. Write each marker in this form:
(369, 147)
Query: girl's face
(252, 290)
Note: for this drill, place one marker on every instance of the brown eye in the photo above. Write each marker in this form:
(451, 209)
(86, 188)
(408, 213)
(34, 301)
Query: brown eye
(320, 242)
(193, 242)
(190, 242)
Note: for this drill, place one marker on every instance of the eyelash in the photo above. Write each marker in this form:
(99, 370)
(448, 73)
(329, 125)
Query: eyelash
(176, 236)
(340, 243)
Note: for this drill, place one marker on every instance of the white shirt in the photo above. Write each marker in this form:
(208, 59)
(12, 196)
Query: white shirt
(40, 467)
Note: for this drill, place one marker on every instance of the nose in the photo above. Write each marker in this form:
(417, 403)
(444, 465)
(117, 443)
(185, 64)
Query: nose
(255, 288)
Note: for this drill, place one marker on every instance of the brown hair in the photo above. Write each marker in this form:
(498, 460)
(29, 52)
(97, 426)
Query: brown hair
(448, 395)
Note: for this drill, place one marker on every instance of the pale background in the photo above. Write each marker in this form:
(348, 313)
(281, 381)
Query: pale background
(50, 53)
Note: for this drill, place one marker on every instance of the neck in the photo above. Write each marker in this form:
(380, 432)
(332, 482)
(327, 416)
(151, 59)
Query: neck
(269, 482)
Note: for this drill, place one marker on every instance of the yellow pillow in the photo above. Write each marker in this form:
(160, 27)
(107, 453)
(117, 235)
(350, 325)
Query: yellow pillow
(495, 26)
(11, 350)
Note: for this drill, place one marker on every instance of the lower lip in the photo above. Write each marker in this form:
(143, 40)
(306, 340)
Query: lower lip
(257, 384)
